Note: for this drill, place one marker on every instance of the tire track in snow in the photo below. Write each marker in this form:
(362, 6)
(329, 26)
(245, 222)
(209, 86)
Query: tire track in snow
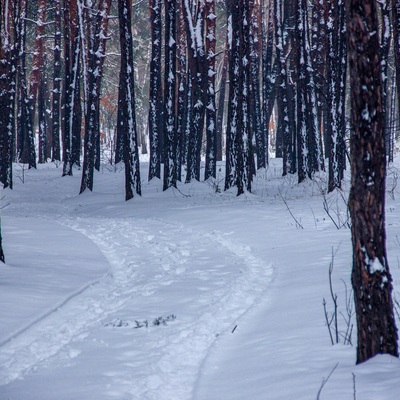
(180, 356)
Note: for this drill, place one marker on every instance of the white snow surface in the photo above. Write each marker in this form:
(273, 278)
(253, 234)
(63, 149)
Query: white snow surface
(185, 294)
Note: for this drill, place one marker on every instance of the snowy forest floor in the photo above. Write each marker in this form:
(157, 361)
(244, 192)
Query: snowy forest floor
(185, 294)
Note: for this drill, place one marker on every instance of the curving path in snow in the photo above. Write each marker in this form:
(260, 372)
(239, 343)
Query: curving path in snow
(204, 280)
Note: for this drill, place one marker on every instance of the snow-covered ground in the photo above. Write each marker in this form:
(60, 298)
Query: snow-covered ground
(186, 294)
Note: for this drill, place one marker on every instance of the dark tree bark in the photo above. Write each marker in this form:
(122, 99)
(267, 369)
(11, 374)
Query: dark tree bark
(309, 143)
(371, 278)
(211, 115)
(7, 84)
(170, 134)
(254, 17)
(56, 151)
(97, 26)
(385, 45)
(336, 72)
(239, 163)
(181, 91)
(156, 107)
(396, 45)
(221, 103)
(131, 153)
(268, 71)
(71, 82)
(197, 73)
(26, 142)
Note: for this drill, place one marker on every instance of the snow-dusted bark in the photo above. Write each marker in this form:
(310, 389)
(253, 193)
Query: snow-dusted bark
(71, 82)
(318, 54)
(211, 115)
(385, 45)
(308, 137)
(181, 91)
(396, 45)
(336, 92)
(254, 50)
(155, 95)
(197, 86)
(286, 95)
(36, 75)
(371, 278)
(56, 94)
(221, 103)
(239, 164)
(8, 48)
(131, 153)
(170, 133)
(268, 70)
(97, 24)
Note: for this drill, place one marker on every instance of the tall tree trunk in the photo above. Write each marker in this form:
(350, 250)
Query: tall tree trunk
(170, 134)
(56, 156)
(221, 103)
(239, 163)
(211, 114)
(371, 278)
(71, 81)
(131, 153)
(197, 73)
(181, 90)
(155, 97)
(336, 73)
(98, 26)
(7, 85)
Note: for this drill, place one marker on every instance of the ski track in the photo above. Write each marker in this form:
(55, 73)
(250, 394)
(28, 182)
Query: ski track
(129, 245)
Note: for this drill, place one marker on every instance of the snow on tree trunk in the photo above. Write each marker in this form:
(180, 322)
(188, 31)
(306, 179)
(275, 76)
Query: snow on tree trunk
(155, 96)
(336, 92)
(239, 164)
(211, 116)
(56, 83)
(97, 26)
(71, 80)
(197, 72)
(170, 133)
(131, 153)
(7, 91)
(371, 278)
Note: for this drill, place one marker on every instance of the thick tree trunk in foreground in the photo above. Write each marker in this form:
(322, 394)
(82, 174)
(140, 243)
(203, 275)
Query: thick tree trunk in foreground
(372, 282)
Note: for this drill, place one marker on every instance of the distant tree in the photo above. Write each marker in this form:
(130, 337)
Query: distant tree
(371, 278)
(131, 153)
